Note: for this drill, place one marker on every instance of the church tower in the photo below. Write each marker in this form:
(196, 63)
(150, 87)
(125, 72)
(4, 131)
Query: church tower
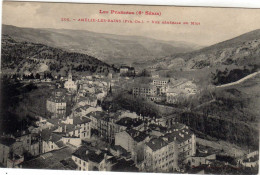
(70, 76)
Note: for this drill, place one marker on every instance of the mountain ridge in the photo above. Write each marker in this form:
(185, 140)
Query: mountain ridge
(110, 48)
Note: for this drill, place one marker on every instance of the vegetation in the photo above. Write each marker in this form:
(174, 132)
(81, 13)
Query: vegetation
(126, 101)
(224, 77)
(30, 56)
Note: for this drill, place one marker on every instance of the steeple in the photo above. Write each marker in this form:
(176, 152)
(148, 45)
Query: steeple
(70, 75)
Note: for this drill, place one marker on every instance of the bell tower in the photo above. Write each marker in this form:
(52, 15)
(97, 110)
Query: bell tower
(70, 75)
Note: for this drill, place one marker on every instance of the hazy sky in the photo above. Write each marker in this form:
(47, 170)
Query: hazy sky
(216, 24)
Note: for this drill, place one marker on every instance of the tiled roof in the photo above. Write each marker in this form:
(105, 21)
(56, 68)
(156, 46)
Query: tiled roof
(80, 120)
(123, 165)
(156, 144)
(69, 127)
(129, 122)
(89, 155)
(136, 135)
(7, 141)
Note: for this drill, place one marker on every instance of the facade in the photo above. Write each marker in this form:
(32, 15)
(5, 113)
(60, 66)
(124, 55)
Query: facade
(132, 141)
(144, 90)
(83, 123)
(70, 85)
(161, 81)
(25, 137)
(56, 104)
(161, 155)
(93, 160)
(9, 146)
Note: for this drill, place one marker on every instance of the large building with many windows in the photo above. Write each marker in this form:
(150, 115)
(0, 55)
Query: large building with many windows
(166, 151)
(56, 104)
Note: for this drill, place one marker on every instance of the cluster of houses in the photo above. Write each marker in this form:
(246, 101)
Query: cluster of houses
(133, 142)
(165, 89)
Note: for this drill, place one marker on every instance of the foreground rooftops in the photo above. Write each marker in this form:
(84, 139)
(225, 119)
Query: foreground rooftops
(136, 135)
(84, 153)
(80, 120)
(177, 135)
(129, 122)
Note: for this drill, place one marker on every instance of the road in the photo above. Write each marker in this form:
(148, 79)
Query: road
(239, 81)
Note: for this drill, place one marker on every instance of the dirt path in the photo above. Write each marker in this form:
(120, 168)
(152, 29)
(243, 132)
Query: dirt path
(239, 81)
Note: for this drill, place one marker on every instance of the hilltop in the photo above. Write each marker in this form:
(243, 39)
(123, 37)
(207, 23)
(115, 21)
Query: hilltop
(20, 57)
(240, 51)
(106, 47)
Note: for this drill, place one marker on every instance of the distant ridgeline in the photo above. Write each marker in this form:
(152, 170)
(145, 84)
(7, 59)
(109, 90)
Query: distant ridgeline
(18, 57)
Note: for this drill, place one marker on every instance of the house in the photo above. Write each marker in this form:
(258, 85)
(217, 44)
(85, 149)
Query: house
(126, 70)
(83, 123)
(25, 137)
(160, 81)
(8, 147)
(200, 159)
(84, 110)
(93, 160)
(89, 99)
(167, 147)
(128, 122)
(132, 141)
(161, 155)
(51, 141)
(56, 104)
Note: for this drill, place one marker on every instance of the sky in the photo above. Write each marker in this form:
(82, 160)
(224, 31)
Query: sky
(216, 24)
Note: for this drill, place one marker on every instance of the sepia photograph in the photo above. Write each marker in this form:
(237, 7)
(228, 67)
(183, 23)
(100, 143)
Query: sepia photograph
(129, 88)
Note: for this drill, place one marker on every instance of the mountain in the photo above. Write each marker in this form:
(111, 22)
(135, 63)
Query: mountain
(106, 47)
(20, 57)
(240, 51)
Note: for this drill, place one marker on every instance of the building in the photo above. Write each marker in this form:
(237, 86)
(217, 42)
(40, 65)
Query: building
(51, 141)
(161, 155)
(127, 71)
(83, 123)
(200, 159)
(89, 99)
(144, 90)
(56, 104)
(132, 141)
(168, 148)
(70, 85)
(8, 147)
(128, 122)
(25, 137)
(161, 81)
(93, 160)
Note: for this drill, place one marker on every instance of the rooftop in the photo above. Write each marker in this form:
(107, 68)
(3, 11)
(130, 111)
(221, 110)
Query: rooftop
(156, 143)
(137, 135)
(84, 153)
(129, 122)
(80, 120)
(7, 141)
(50, 160)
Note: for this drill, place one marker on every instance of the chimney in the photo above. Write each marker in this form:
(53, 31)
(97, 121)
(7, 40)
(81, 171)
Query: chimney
(86, 152)
(174, 138)
(65, 128)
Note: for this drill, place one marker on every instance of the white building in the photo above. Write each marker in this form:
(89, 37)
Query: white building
(70, 85)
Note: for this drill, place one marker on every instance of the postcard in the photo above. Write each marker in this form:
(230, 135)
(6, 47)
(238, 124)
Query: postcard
(129, 88)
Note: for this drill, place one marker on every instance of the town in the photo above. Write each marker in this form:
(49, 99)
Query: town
(75, 132)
